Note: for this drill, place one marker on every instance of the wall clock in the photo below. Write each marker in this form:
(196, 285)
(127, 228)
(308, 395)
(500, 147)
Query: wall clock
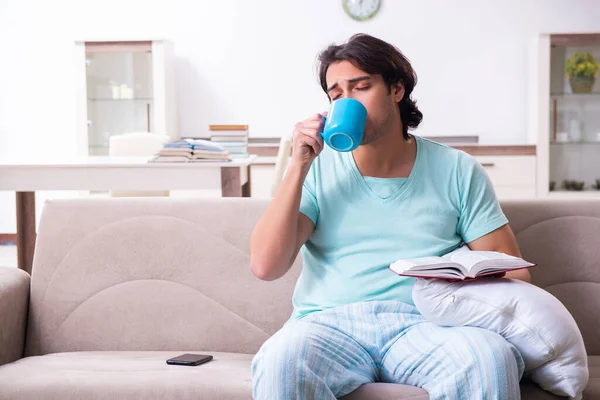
(361, 10)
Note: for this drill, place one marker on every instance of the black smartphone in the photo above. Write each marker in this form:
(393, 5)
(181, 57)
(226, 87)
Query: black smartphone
(189, 359)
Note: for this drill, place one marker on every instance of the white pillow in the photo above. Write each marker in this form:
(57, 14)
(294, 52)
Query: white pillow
(530, 318)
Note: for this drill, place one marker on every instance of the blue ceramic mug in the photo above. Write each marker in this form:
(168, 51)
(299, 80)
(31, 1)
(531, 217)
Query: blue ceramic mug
(344, 125)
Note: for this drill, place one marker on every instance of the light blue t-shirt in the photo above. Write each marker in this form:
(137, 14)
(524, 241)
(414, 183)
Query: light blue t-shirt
(364, 224)
(384, 187)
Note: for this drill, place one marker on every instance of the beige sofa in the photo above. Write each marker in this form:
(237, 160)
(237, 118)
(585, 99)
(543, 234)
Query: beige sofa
(120, 285)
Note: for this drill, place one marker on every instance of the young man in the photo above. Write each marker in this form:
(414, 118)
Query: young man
(396, 196)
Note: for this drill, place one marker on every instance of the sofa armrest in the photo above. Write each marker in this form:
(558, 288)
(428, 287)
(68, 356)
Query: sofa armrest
(14, 302)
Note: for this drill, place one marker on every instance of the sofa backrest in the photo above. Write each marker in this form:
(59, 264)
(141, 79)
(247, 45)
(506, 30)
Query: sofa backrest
(172, 274)
(563, 238)
(151, 274)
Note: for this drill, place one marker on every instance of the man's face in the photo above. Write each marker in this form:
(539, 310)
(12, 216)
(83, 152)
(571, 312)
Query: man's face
(346, 80)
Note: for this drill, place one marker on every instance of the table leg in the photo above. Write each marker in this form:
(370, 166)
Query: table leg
(231, 182)
(247, 187)
(25, 229)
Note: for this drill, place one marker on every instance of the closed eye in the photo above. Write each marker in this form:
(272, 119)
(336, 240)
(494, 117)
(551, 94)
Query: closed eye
(362, 88)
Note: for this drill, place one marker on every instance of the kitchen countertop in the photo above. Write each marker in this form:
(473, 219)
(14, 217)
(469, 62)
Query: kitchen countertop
(266, 149)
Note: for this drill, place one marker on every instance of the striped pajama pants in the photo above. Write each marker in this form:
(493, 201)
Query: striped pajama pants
(331, 353)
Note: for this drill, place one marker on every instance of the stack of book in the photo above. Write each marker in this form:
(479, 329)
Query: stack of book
(191, 150)
(233, 138)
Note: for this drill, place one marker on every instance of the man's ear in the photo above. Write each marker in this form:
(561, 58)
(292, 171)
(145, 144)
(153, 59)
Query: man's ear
(397, 92)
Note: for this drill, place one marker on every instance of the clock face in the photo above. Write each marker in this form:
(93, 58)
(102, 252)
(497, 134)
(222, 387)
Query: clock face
(361, 10)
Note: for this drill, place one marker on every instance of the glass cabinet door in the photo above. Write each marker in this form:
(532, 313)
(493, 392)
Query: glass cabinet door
(574, 113)
(119, 91)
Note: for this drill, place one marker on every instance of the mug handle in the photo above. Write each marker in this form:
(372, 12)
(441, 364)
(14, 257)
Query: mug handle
(323, 126)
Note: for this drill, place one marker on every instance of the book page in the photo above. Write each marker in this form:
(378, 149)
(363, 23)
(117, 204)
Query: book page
(428, 266)
(447, 273)
(477, 261)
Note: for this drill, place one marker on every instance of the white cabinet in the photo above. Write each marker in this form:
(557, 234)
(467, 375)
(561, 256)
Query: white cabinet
(565, 118)
(123, 87)
(513, 176)
(263, 177)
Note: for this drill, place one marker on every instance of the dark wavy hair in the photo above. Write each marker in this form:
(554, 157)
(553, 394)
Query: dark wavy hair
(376, 57)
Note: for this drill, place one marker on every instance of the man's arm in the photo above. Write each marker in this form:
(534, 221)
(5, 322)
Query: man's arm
(282, 230)
(502, 240)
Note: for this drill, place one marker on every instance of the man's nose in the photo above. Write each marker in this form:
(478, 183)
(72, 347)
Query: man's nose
(347, 93)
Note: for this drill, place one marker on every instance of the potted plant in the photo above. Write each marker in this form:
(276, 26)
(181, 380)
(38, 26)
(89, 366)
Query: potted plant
(582, 70)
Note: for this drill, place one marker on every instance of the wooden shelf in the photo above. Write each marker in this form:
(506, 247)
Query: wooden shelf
(572, 194)
(575, 39)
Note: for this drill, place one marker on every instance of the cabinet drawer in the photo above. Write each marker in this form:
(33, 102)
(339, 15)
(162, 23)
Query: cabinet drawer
(509, 170)
(514, 192)
(262, 180)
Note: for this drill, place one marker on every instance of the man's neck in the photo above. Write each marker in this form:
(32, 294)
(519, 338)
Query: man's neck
(390, 156)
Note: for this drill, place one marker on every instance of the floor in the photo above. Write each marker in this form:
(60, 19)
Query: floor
(8, 256)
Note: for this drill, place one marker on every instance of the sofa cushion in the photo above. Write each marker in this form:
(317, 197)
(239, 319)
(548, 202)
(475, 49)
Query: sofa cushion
(529, 390)
(386, 391)
(592, 390)
(145, 374)
(125, 375)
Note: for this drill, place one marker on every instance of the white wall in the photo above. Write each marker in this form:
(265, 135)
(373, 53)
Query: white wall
(243, 61)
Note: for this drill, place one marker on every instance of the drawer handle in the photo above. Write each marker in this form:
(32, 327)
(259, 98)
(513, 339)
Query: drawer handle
(487, 164)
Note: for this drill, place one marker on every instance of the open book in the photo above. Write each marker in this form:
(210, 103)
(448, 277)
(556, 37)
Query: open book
(459, 264)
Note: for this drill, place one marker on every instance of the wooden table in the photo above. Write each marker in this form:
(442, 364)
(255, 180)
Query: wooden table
(97, 173)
